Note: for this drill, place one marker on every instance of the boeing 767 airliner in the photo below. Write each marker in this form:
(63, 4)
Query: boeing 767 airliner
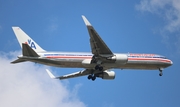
(96, 64)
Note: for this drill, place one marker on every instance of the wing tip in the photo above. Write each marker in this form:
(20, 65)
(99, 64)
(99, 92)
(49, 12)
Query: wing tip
(50, 74)
(15, 27)
(86, 21)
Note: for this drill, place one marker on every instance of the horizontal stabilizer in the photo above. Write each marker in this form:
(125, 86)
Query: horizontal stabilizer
(18, 61)
(28, 51)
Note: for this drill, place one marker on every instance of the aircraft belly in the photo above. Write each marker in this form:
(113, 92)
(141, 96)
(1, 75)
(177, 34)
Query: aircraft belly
(140, 66)
(144, 65)
(137, 65)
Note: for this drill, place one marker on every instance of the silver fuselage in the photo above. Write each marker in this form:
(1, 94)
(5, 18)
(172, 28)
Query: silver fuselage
(74, 60)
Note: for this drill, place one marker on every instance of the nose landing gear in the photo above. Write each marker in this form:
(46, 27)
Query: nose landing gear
(160, 71)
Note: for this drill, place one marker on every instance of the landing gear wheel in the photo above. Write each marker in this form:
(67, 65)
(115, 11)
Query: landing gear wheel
(160, 74)
(160, 71)
(89, 77)
(93, 78)
(98, 67)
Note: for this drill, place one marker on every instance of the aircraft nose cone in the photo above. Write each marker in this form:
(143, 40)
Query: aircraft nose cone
(171, 63)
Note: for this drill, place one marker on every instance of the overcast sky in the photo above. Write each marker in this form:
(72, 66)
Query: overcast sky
(139, 26)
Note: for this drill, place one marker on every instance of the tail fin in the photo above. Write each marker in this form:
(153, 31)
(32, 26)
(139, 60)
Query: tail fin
(24, 38)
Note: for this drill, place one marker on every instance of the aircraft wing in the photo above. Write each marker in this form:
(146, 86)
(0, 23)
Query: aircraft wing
(98, 47)
(72, 75)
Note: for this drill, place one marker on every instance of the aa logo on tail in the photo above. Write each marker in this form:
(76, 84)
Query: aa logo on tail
(31, 44)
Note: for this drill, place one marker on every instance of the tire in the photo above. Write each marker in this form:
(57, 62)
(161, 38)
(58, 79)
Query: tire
(89, 77)
(93, 78)
(100, 68)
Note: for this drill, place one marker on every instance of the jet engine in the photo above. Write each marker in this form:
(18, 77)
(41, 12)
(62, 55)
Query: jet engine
(120, 58)
(107, 75)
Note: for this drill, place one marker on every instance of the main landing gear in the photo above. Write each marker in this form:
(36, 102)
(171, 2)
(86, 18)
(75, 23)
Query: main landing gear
(160, 71)
(92, 77)
(98, 67)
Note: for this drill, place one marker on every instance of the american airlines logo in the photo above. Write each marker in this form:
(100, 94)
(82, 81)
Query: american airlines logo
(31, 44)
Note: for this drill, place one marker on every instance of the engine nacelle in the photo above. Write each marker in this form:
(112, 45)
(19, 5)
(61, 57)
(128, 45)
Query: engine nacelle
(120, 58)
(107, 75)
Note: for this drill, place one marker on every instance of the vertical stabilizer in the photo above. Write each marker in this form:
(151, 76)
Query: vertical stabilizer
(24, 38)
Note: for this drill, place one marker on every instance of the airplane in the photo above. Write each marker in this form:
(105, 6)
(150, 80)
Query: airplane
(97, 63)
